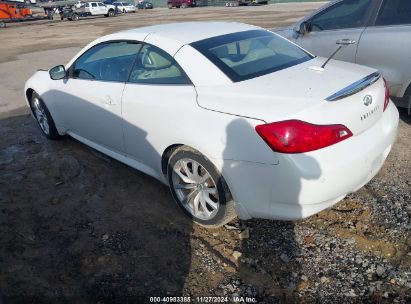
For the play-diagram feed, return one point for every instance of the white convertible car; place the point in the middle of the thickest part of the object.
(234, 118)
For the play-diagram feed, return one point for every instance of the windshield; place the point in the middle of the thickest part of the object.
(250, 54)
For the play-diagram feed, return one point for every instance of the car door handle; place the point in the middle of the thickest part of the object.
(346, 41)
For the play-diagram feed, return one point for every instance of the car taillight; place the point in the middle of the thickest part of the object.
(295, 136)
(387, 95)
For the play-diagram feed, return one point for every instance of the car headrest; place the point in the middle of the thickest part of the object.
(221, 51)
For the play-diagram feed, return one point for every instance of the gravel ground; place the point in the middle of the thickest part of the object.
(79, 227)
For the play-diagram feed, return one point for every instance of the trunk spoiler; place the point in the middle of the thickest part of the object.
(355, 87)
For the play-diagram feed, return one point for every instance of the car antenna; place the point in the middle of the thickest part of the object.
(342, 43)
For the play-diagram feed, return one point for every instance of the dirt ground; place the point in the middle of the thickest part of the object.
(79, 227)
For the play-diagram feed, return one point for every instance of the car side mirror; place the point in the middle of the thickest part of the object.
(302, 29)
(58, 72)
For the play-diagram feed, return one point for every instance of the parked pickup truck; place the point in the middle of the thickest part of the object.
(88, 9)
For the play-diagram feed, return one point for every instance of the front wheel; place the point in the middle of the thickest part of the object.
(199, 189)
(111, 13)
(43, 117)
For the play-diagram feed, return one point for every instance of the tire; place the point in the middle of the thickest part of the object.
(196, 188)
(183, 5)
(75, 17)
(124, 11)
(2, 24)
(111, 13)
(43, 117)
(170, 6)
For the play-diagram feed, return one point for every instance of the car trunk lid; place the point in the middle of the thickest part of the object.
(304, 92)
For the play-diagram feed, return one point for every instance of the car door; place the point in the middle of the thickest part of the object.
(387, 45)
(89, 101)
(345, 19)
(157, 88)
(94, 9)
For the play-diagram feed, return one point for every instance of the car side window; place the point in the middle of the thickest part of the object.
(394, 12)
(108, 62)
(154, 66)
(344, 14)
(94, 4)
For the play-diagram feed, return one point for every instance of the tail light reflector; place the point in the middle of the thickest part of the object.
(295, 136)
(387, 95)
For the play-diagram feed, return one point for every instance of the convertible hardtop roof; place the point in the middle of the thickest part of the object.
(188, 32)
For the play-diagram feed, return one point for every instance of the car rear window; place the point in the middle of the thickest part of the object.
(250, 54)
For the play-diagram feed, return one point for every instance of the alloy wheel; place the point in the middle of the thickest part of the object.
(41, 116)
(195, 188)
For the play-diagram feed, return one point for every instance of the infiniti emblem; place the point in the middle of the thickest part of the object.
(367, 100)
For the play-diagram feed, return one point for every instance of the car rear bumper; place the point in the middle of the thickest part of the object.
(301, 185)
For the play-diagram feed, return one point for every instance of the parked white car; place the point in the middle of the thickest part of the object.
(124, 7)
(235, 119)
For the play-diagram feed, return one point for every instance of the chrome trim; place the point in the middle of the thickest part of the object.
(355, 87)
(367, 100)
